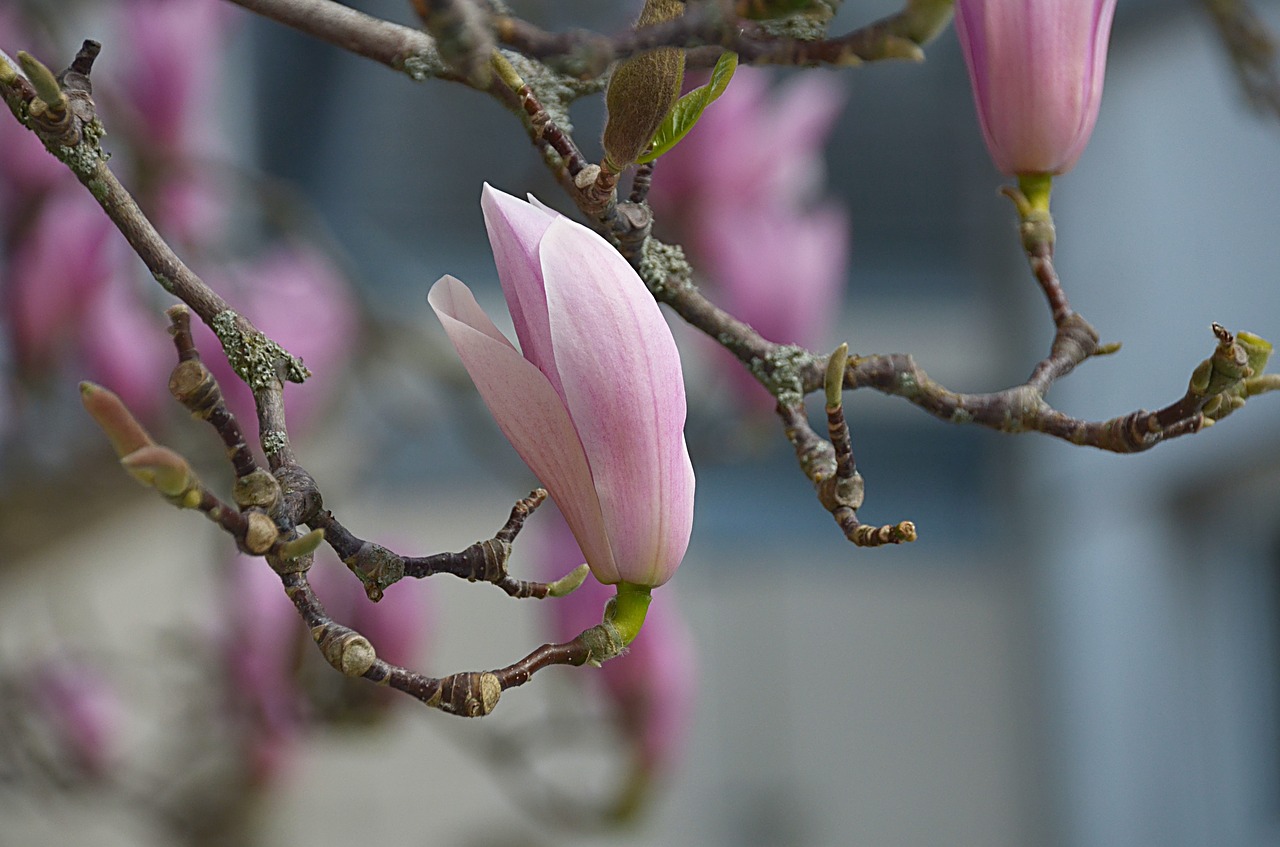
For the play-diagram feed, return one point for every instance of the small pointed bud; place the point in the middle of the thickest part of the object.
(162, 469)
(835, 377)
(298, 547)
(569, 582)
(43, 81)
(642, 91)
(110, 413)
(1258, 350)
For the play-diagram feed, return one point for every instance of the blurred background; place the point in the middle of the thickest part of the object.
(1081, 649)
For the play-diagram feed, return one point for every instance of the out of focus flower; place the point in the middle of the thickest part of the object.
(124, 346)
(82, 710)
(751, 149)
(595, 405)
(171, 68)
(651, 687)
(69, 253)
(298, 298)
(741, 189)
(262, 645)
(1037, 70)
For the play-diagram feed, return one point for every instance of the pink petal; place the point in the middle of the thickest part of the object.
(530, 414)
(515, 228)
(625, 394)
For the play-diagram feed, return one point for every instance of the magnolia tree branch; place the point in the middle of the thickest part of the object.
(270, 505)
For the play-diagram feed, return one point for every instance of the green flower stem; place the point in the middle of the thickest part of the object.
(1036, 188)
(626, 611)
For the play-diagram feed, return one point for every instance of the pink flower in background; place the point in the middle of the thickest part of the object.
(125, 347)
(262, 645)
(295, 295)
(595, 405)
(1037, 69)
(83, 710)
(69, 253)
(652, 687)
(26, 168)
(751, 149)
(171, 69)
(741, 188)
(782, 271)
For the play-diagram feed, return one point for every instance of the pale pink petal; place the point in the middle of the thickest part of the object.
(530, 414)
(515, 228)
(625, 394)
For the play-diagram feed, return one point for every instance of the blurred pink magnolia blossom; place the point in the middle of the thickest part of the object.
(83, 710)
(651, 687)
(595, 404)
(171, 69)
(297, 296)
(262, 645)
(751, 149)
(741, 188)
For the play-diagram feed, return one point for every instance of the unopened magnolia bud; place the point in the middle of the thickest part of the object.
(110, 413)
(162, 469)
(297, 548)
(642, 91)
(568, 583)
(44, 82)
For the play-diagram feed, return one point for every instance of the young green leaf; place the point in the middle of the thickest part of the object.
(689, 108)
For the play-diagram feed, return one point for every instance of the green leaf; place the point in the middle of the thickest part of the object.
(685, 113)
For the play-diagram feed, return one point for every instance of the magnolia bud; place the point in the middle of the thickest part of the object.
(642, 91)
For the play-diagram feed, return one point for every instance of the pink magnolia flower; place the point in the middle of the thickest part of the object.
(262, 645)
(740, 185)
(84, 710)
(69, 254)
(1037, 68)
(171, 68)
(751, 148)
(124, 346)
(595, 405)
(296, 296)
(783, 272)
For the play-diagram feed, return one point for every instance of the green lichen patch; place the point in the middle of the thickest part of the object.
(423, 66)
(780, 372)
(274, 441)
(257, 359)
(661, 265)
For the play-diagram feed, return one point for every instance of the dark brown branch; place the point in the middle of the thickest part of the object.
(485, 561)
(468, 693)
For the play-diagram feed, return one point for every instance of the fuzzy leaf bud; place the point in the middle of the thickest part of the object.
(642, 91)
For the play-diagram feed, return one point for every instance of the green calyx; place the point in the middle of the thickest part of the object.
(1035, 188)
(626, 611)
